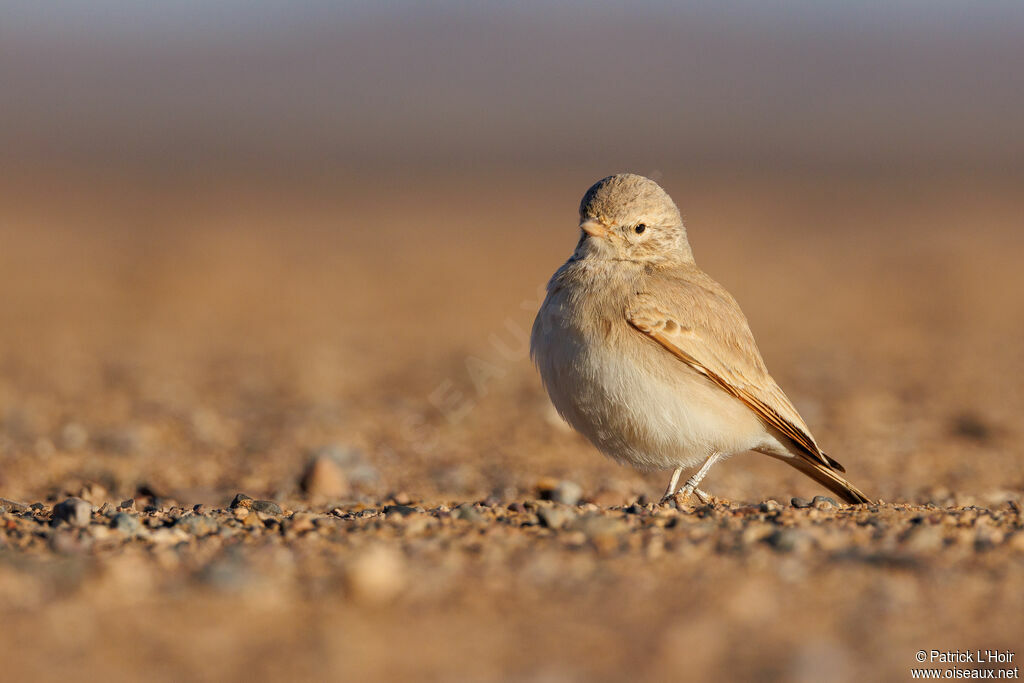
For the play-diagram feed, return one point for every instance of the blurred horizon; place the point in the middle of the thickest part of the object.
(459, 85)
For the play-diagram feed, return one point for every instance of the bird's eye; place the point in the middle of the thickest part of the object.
(640, 228)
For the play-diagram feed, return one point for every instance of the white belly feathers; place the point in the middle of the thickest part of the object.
(660, 419)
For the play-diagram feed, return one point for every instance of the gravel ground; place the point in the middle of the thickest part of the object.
(803, 591)
(254, 428)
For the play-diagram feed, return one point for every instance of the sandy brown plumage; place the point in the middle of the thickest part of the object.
(652, 359)
(716, 341)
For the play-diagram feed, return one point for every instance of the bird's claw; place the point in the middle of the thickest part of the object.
(683, 495)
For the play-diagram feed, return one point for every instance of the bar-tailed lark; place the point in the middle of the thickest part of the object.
(651, 359)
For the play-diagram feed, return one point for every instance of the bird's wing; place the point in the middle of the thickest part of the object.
(698, 321)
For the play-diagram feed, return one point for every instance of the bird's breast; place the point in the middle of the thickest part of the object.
(632, 399)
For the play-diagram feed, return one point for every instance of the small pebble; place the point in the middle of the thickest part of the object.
(467, 512)
(800, 503)
(73, 511)
(401, 510)
(197, 525)
(324, 478)
(126, 523)
(267, 507)
(556, 516)
(241, 500)
(567, 493)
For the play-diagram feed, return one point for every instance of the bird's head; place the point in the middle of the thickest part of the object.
(630, 217)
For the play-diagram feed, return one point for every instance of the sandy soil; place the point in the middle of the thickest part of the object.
(167, 343)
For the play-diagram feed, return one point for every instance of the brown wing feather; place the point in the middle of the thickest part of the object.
(732, 362)
(765, 411)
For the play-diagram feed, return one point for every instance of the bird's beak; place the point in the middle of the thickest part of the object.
(593, 228)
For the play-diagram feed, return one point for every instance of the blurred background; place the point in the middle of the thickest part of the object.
(473, 86)
(236, 237)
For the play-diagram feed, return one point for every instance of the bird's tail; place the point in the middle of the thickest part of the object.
(829, 478)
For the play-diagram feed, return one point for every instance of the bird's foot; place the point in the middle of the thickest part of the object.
(683, 496)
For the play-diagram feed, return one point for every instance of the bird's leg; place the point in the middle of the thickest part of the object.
(691, 484)
(672, 484)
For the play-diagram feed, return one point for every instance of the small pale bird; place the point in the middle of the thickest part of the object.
(651, 359)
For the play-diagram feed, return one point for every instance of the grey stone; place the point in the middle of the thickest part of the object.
(73, 511)
(267, 507)
(567, 492)
(556, 516)
(126, 523)
(241, 500)
(467, 512)
(822, 502)
(403, 510)
(197, 525)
